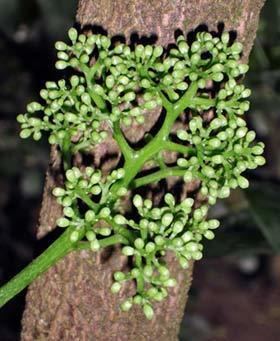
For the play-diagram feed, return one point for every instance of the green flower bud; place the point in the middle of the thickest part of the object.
(214, 143)
(120, 219)
(129, 97)
(183, 47)
(148, 311)
(115, 288)
(126, 306)
(209, 235)
(259, 160)
(89, 216)
(150, 247)
(217, 77)
(139, 243)
(63, 56)
(213, 224)
(61, 65)
(187, 236)
(188, 177)
(137, 201)
(236, 48)
(105, 212)
(158, 51)
(74, 237)
(94, 245)
(197, 255)
(208, 171)
(119, 276)
(169, 199)
(96, 190)
(167, 219)
(159, 240)
(73, 34)
(178, 227)
(243, 68)
(86, 98)
(218, 159)
(217, 68)
(25, 133)
(90, 236)
(104, 231)
(128, 251)
(225, 38)
(224, 192)
(241, 132)
(171, 282)
(201, 84)
(69, 212)
(182, 135)
(58, 192)
(242, 182)
(60, 46)
(148, 270)
(257, 150)
(62, 222)
(182, 163)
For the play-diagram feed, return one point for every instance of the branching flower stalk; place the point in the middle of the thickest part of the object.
(117, 90)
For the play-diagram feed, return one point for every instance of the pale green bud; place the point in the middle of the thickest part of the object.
(148, 311)
(90, 236)
(137, 201)
(139, 243)
(128, 251)
(126, 306)
(62, 222)
(120, 219)
(242, 182)
(119, 276)
(209, 235)
(167, 219)
(115, 288)
(74, 236)
(94, 245)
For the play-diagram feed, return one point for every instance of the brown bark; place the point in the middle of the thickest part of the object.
(72, 301)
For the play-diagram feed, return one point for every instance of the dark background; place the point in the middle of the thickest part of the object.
(236, 289)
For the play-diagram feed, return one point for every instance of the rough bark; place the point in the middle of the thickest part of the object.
(72, 301)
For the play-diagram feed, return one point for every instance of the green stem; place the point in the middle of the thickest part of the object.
(126, 150)
(86, 199)
(133, 166)
(205, 102)
(156, 176)
(112, 240)
(89, 73)
(176, 147)
(61, 247)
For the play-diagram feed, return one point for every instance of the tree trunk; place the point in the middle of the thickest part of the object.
(72, 301)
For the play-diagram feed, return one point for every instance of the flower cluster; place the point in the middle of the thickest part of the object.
(175, 227)
(93, 192)
(70, 116)
(224, 150)
(115, 85)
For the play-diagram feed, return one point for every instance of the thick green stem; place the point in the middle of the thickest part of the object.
(89, 73)
(112, 240)
(156, 176)
(157, 144)
(86, 199)
(61, 247)
(176, 147)
(126, 150)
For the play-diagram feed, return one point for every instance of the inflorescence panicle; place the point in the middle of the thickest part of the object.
(116, 85)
